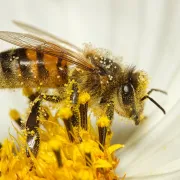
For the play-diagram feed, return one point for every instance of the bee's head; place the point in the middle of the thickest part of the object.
(131, 95)
(133, 87)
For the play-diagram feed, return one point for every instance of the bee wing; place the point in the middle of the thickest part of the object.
(38, 44)
(39, 32)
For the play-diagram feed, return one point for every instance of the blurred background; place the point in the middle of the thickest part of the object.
(144, 32)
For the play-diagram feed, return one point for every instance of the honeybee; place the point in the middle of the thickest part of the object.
(52, 63)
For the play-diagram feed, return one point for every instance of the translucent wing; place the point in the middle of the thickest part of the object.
(38, 44)
(36, 31)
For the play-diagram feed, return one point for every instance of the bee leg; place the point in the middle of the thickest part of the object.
(75, 94)
(105, 132)
(107, 103)
(45, 113)
(110, 115)
(32, 125)
(74, 100)
(30, 94)
(110, 111)
(50, 98)
(32, 98)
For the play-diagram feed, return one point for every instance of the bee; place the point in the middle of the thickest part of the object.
(52, 63)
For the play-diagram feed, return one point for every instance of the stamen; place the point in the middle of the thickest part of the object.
(55, 151)
(83, 113)
(56, 148)
(88, 159)
(14, 114)
(65, 114)
(103, 124)
(58, 157)
(83, 108)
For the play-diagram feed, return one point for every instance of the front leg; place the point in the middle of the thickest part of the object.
(107, 104)
(110, 111)
(104, 123)
(32, 125)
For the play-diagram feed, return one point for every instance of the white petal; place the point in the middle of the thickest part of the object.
(145, 32)
(155, 149)
(167, 176)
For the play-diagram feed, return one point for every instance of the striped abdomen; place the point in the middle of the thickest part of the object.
(27, 68)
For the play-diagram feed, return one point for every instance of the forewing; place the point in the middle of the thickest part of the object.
(35, 43)
(36, 31)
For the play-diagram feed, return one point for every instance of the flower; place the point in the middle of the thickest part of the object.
(45, 149)
(145, 33)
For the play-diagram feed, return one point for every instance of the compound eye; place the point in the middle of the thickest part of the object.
(126, 89)
(127, 94)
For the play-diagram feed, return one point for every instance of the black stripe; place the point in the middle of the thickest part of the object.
(42, 71)
(62, 71)
(24, 63)
(18, 55)
(5, 58)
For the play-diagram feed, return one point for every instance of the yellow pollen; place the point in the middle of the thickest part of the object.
(55, 144)
(84, 98)
(27, 92)
(65, 113)
(58, 150)
(103, 121)
(14, 114)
